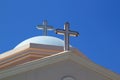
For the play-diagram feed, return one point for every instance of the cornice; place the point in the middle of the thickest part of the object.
(55, 58)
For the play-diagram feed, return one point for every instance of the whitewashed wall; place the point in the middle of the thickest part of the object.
(57, 71)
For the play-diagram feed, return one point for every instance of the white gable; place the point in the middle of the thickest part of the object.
(57, 66)
(59, 70)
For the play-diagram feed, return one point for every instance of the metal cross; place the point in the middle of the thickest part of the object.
(66, 32)
(45, 27)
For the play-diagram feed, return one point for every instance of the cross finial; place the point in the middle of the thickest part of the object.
(45, 22)
(45, 27)
(66, 32)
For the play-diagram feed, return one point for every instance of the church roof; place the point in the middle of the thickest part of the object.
(30, 52)
(46, 40)
(56, 58)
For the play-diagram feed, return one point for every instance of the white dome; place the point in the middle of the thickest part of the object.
(47, 40)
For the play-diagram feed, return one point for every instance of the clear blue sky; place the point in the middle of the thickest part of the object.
(98, 22)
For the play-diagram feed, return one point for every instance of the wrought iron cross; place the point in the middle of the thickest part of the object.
(66, 32)
(45, 27)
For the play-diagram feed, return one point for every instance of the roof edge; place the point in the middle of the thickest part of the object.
(57, 58)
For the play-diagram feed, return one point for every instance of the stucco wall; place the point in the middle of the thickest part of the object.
(57, 71)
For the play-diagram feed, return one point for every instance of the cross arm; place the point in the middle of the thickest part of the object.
(73, 33)
(60, 31)
(40, 26)
(50, 27)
